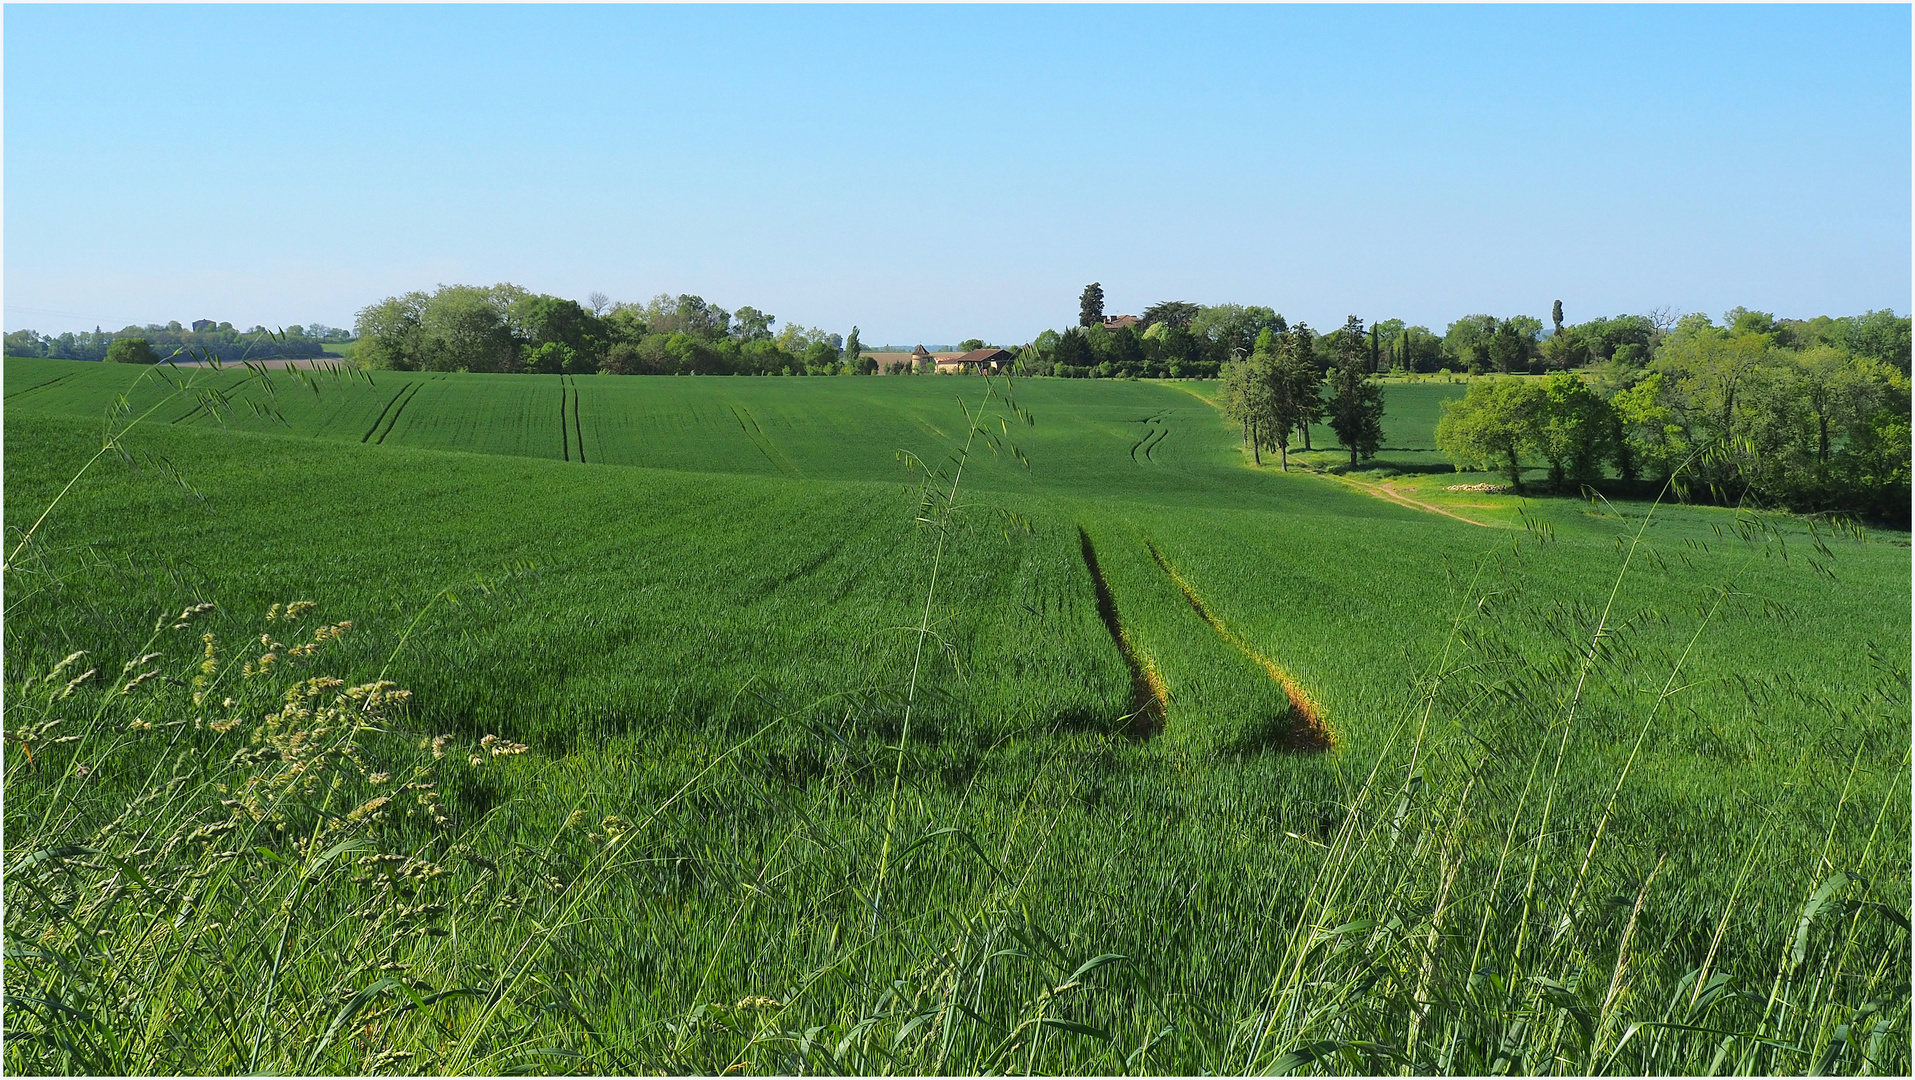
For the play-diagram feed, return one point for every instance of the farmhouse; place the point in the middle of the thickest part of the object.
(975, 361)
(918, 360)
(1118, 322)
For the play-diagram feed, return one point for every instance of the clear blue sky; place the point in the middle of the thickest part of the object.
(936, 173)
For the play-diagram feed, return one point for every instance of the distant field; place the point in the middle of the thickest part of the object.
(670, 565)
(846, 428)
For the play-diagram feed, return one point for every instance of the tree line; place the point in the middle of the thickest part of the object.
(1787, 413)
(1174, 339)
(1179, 339)
(155, 342)
(505, 328)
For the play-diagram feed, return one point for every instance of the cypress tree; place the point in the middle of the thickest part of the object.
(1304, 341)
(1090, 306)
(1356, 402)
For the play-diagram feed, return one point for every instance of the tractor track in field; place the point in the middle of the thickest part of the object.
(381, 418)
(578, 429)
(1154, 435)
(571, 434)
(403, 399)
(1149, 698)
(1313, 734)
(810, 565)
(749, 425)
(41, 386)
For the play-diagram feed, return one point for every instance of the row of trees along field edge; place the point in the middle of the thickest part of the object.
(154, 342)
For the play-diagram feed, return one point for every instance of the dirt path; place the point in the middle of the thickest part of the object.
(1386, 491)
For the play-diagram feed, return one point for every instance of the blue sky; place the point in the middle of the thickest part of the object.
(934, 173)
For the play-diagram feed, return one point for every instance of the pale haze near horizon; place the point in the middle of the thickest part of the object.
(932, 174)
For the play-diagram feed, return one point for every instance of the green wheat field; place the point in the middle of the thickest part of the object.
(915, 725)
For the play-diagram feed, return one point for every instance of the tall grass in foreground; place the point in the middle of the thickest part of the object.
(221, 859)
(1433, 939)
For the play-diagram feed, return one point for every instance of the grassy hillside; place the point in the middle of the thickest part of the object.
(1329, 774)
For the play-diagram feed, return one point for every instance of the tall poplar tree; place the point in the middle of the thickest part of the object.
(854, 352)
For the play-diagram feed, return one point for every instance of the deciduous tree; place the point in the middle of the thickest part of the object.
(1493, 425)
(1235, 327)
(1246, 400)
(551, 358)
(463, 328)
(1466, 341)
(131, 350)
(749, 324)
(1176, 313)
(389, 333)
(1578, 432)
(1877, 335)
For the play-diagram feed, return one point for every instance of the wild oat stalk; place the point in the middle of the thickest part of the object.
(937, 508)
